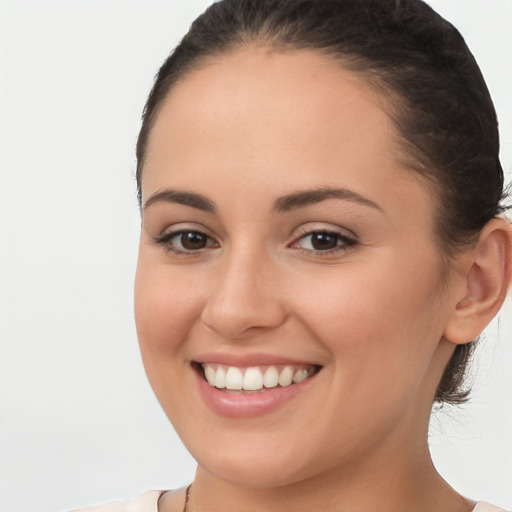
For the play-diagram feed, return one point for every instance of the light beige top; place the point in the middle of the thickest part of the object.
(482, 506)
(148, 502)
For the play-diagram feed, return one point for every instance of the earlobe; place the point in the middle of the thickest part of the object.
(486, 279)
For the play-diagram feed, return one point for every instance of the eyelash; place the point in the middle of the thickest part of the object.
(344, 243)
(166, 239)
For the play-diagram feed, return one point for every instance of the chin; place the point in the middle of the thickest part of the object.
(257, 474)
(265, 465)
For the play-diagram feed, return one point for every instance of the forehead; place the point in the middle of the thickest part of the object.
(274, 116)
(305, 90)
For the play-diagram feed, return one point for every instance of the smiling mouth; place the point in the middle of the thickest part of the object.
(254, 379)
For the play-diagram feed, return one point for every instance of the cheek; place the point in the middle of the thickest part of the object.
(166, 308)
(165, 313)
(377, 323)
(382, 332)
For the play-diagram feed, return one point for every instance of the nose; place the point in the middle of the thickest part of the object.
(244, 298)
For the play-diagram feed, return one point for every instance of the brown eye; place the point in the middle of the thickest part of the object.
(192, 240)
(324, 241)
(186, 242)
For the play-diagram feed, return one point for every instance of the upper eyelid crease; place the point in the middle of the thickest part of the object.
(319, 228)
(173, 233)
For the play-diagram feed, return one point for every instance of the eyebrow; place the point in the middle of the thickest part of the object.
(281, 204)
(308, 197)
(186, 198)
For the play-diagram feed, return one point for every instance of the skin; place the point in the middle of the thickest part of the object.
(243, 131)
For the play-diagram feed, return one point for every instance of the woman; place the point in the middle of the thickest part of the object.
(322, 241)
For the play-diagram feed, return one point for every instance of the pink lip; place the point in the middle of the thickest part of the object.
(233, 405)
(247, 360)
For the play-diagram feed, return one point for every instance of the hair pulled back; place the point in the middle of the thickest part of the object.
(437, 99)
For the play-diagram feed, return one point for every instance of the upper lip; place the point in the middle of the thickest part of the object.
(248, 360)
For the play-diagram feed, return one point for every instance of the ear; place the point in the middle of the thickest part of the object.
(484, 280)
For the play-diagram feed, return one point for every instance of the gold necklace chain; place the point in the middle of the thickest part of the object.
(187, 494)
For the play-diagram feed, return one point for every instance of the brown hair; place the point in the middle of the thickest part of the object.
(438, 99)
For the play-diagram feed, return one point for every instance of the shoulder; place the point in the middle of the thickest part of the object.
(482, 506)
(145, 502)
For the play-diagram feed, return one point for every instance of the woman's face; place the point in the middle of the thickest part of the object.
(283, 237)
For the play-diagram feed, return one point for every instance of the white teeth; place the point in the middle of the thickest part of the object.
(253, 379)
(286, 377)
(209, 373)
(271, 377)
(300, 375)
(220, 378)
(234, 378)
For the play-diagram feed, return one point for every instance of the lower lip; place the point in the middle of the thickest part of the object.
(239, 405)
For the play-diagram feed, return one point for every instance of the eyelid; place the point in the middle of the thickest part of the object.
(184, 226)
(316, 227)
(165, 237)
(348, 240)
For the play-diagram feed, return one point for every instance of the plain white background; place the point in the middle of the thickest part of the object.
(78, 422)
